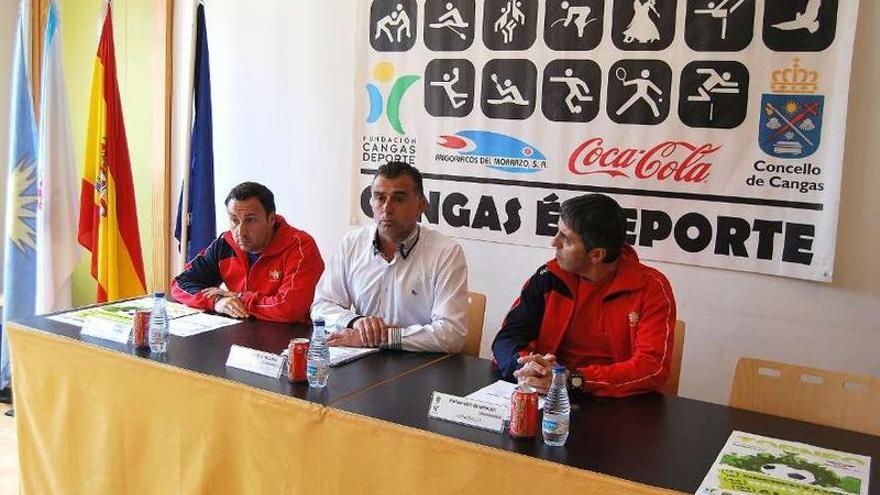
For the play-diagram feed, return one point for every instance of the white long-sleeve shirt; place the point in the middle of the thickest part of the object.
(423, 290)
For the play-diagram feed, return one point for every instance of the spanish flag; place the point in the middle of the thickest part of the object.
(108, 225)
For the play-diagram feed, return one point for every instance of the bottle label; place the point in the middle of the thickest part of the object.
(554, 423)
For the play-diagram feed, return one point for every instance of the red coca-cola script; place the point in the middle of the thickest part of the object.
(679, 161)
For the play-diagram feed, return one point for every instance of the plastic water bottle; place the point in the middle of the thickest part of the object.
(158, 324)
(557, 410)
(318, 361)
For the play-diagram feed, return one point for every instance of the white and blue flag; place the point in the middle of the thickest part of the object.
(57, 178)
(19, 274)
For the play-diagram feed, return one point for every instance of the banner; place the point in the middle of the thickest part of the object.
(717, 124)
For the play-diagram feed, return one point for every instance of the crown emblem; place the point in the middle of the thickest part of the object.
(795, 80)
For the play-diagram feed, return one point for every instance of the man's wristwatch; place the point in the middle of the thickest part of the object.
(575, 380)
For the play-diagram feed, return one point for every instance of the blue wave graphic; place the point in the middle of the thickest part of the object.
(375, 97)
(490, 143)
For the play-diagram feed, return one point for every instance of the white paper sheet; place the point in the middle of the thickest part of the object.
(197, 323)
(499, 393)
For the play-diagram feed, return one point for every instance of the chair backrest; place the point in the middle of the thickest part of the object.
(476, 314)
(825, 397)
(671, 385)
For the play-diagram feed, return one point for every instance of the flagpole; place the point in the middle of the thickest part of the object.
(184, 202)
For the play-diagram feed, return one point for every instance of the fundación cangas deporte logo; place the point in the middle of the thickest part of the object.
(384, 74)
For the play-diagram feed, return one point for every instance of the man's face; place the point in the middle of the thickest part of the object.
(397, 206)
(570, 252)
(251, 227)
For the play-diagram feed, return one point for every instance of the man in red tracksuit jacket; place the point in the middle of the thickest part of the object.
(595, 309)
(270, 269)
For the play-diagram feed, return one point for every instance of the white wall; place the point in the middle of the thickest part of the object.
(303, 52)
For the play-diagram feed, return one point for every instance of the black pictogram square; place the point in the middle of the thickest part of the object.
(571, 90)
(643, 25)
(719, 25)
(799, 25)
(393, 25)
(639, 92)
(509, 24)
(509, 89)
(449, 88)
(572, 25)
(449, 25)
(713, 94)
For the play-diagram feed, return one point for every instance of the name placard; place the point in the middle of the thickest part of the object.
(467, 412)
(259, 362)
(106, 329)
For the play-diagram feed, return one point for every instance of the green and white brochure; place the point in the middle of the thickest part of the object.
(753, 464)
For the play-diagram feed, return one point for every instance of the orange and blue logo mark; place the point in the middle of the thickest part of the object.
(384, 73)
(496, 151)
(791, 116)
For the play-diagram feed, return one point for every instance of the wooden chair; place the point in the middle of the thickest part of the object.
(832, 398)
(476, 314)
(671, 385)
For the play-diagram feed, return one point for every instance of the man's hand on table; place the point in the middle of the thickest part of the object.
(347, 337)
(232, 306)
(367, 331)
(536, 372)
(212, 292)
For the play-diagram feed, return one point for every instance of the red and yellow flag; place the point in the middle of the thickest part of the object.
(108, 225)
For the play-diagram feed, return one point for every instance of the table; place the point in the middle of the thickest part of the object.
(206, 354)
(658, 440)
(97, 417)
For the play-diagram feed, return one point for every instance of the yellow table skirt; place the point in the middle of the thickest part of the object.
(94, 421)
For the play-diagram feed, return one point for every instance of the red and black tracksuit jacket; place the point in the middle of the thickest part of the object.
(279, 286)
(638, 313)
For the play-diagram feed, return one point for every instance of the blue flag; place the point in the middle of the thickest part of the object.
(200, 215)
(19, 274)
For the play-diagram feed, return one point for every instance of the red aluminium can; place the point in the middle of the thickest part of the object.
(140, 328)
(296, 365)
(523, 412)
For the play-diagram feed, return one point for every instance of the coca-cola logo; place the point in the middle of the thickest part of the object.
(679, 161)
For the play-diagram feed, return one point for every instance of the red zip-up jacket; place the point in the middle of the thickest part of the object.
(280, 285)
(638, 313)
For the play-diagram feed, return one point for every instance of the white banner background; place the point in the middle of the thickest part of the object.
(723, 217)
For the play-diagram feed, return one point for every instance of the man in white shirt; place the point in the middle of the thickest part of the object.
(395, 284)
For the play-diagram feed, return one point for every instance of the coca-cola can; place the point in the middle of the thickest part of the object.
(296, 365)
(140, 328)
(523, 412)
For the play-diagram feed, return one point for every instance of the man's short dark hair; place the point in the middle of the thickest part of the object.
(393, 170)
(247, 190)
(598, 220)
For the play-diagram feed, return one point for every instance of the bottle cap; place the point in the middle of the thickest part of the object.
(318, 322)
(559, 369)
(159, 294)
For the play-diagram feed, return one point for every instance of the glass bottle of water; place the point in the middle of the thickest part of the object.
(158, 324)
(557, 410)
(318, 357)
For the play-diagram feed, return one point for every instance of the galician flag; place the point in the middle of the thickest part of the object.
(108, 224)
(57, 250)
(21, 202)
